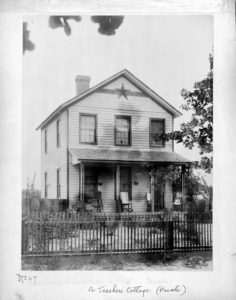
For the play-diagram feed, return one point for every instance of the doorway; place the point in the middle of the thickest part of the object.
(126, 180)
(158, 197)
(90, 184)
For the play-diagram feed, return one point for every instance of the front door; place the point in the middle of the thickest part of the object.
(126, 180)
(90, 184)
(158, 197)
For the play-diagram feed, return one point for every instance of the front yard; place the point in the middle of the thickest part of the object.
(190, 261)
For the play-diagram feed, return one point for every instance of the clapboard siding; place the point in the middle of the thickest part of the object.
(106, 123)
(55, 158)
(107, 106)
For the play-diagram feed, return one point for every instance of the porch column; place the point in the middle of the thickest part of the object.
(152, 194)
(82, 185)
(183, 188)
(117, 185)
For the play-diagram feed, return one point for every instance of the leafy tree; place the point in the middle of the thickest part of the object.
(107, 26)
(199, 131)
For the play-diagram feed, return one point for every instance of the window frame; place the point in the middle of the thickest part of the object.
(58, 133)
(45, 141)
(46, 185)
(95, 134)
(58, 174)
(130, 130)
(164, 127)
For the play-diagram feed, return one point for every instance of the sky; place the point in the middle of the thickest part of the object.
(167, 53)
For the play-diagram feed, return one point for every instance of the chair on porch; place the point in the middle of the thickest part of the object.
(125, 202)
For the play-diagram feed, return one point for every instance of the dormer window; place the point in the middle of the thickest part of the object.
(157, 127)
(88, 129)
(123, 131)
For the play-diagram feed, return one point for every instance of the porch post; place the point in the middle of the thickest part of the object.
(117, 185)
(152, 194)
(82, 185)
(183, 188)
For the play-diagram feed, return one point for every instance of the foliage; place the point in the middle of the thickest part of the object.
(201, 206)
(198, 131)
(27, 44)
(163, 173)
(31, 198)
(198, 195)
(62, 21)
(107, 26)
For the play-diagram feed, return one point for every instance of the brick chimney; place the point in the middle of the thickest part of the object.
(82, 83)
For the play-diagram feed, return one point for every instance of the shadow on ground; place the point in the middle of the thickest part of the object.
(201, 260)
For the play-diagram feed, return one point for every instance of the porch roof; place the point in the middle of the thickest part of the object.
(125, 156)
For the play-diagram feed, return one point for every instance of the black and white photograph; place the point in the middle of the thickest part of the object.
(117, 142)
(117, 161)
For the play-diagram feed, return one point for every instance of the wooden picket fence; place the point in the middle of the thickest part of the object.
(84, 234)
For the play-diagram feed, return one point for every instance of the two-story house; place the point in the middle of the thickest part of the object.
(98, 143)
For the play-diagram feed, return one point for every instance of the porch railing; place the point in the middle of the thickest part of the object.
(87, 233)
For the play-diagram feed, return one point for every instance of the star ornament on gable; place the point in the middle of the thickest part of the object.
(123, 92)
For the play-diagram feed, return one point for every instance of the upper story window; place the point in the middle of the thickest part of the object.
(88, 129)
(58, 133)
(157, 127)
(123, 131)
(45, 141)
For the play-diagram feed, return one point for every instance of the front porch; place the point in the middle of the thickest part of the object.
(101, 185)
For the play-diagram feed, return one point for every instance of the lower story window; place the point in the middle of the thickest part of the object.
(46, 185)
(58, 184)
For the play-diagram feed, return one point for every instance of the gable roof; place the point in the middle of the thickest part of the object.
(129, 76)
